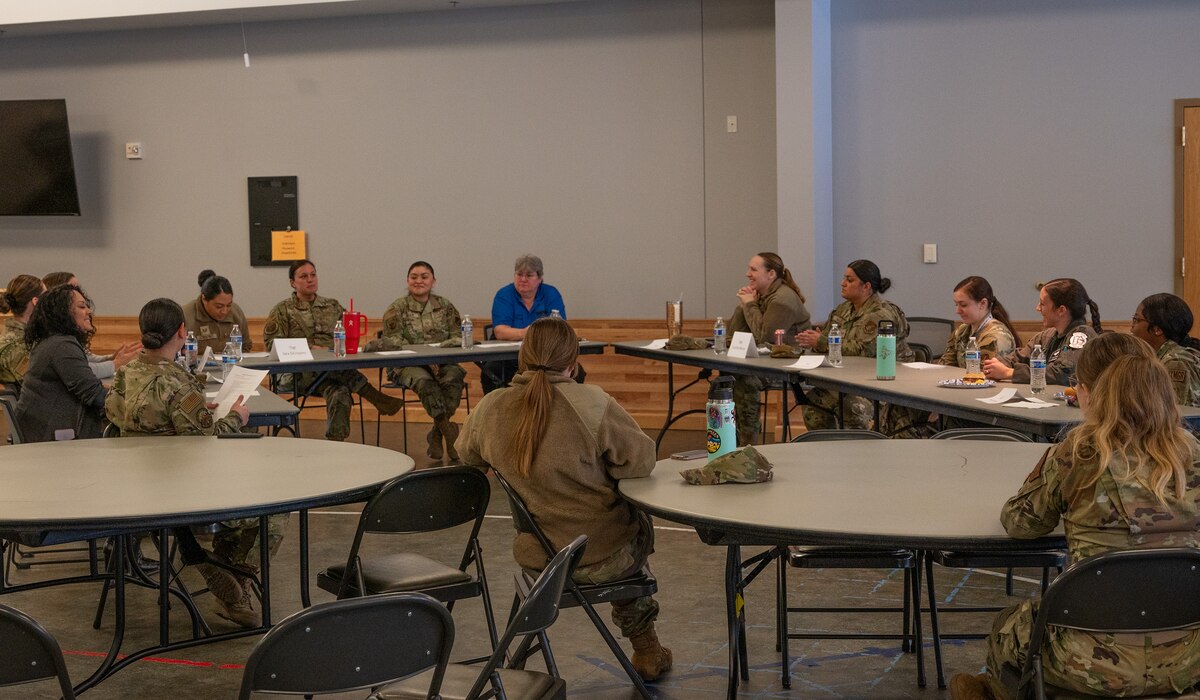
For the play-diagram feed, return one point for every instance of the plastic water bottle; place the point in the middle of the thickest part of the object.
(228, 360)
(719, 336)
(468, 332)
(722, 431)
(555, 314)
(339, 339)
(971, 355)
(235, 337)
(885, 351)
(1037, 370)
(189, 351)
(835, 345)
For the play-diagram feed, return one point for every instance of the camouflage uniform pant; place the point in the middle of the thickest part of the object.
(856, 411)
(238, 538)
(1094, 664)
(747, 394)
(635, 616)
(440, 392)
(336, 389)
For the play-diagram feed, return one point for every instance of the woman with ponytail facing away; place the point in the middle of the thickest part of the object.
(563, 446)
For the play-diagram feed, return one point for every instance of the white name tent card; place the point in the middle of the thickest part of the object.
(291, 349)
(657, 344)
(1011, 398)
(741, 343)
(922, 365)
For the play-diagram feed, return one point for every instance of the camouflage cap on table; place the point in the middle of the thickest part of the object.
(744, 466)
(686, 342)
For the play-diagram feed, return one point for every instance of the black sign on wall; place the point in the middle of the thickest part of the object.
(273, 207)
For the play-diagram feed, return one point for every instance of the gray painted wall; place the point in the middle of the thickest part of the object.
(575, 131)
(1030, 139)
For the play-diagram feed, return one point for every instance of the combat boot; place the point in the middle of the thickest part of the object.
(434, 451)
(650, 658)
(450, 432)
(967, 687)
(230, 595)
(387, 405)
(241, 611)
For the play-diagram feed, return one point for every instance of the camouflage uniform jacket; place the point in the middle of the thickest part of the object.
(292, 318)
(211, 333)
(859, 328)
(1062, 353)
(1183, 364)
(14, 356)
(410, 322)
(153, 396)
(1112, 513)
(780, 307)
(993, 339)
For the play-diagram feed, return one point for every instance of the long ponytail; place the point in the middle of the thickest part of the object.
(550, 345)
(1068, 292)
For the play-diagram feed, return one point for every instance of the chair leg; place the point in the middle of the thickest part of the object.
(616, 649)
(906, 645)
(1008, 582)
(1045, 578)
(916, 618)
(933, 621)
(781, 620)
(404, 416)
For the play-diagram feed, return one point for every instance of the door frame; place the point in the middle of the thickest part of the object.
(1180, 248)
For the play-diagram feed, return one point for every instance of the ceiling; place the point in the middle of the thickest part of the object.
(22, 18)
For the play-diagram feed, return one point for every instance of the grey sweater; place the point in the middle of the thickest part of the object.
(60, 392)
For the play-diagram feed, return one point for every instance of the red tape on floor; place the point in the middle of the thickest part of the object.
(162, 660)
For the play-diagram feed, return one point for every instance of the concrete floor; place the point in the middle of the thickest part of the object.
(691, 623)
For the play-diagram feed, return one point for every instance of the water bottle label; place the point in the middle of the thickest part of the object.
(835, 341)
(1037, 364)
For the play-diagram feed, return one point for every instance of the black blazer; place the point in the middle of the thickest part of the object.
(60, 391)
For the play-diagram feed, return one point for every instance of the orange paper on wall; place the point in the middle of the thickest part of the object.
(287, 245)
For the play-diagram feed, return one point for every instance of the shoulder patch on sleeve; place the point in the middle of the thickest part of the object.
(1178, 375)
(1078, 340)
(192, 402)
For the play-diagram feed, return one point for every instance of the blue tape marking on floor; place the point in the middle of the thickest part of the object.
(954, 591)
(884, 580)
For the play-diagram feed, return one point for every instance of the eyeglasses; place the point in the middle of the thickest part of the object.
(1137, 319)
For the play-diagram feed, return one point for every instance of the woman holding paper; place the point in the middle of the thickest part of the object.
(213, 315)
(307, 315)
(154, 396)
(771, 301)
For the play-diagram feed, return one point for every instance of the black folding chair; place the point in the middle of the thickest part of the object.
(313, 392)
(587, 596)
(927, 336)
(355, 644)
(1044, 559)
(1130, 591)
(427, 500)
(536, 613)
(466, 395)
(30, 653)
(834, 557)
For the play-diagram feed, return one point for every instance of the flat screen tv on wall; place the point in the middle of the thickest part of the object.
(37, 171)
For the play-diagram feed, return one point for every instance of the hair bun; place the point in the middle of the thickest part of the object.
(153, 339)
(884, 285)
(204, 276)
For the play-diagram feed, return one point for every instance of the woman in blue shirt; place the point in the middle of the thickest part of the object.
(515, 307)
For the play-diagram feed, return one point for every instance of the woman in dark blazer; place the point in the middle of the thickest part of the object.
(61, 399)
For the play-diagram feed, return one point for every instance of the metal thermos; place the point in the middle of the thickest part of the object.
(722, 432)
(885, 350)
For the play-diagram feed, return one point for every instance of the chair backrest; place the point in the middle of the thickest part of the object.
(8, 403)
(352, 644)
(931, 332)
(523, 520)
(1122, 591)
(30, 652)
(995, 434)
(831, 434)
(427, 500)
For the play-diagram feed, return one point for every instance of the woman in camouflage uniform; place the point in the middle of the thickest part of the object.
(1164, 321)
(858, 318)
(1129, 476)
(1063, 303)
(154, 396)
(307, 315)
(424, 317)
(18, 299)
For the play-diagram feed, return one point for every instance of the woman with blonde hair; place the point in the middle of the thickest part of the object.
(1128, 477)
(563, 446)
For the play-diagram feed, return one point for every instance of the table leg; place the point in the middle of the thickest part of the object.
(264, 559)
(671, 394)
(733, 575)
(164, 588)
(118, 574)
(304, 597)
(918, 643)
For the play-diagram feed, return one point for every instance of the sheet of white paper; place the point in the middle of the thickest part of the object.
(500, 343)
(240, 382)
(1034, 399)
(1029, 404)
(1004, 395)
(291, 349)
(256, 354)
(396, 352)
(922, 365)
(810, 362)
(657, 344)
(740, 344)
(207, 357)
(213, 394)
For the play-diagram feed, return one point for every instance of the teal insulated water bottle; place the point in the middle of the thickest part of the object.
(722, 433)
(885, 351)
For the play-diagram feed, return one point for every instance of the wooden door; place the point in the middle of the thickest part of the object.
(1187, 202)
